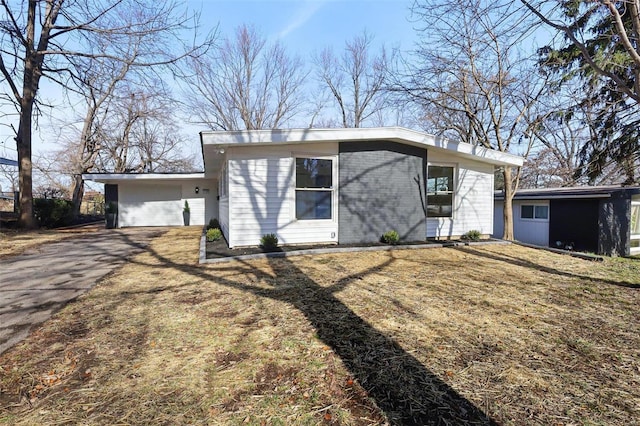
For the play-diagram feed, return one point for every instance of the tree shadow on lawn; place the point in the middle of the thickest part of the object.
(516, 261)
(400, 385)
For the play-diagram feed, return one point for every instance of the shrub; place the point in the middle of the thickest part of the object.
(473, 235)
(53, 212)
(213, 223)
(390, 237)
(269, 242)
(214, 234)
(186, 207)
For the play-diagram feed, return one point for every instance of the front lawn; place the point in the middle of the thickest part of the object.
(465, 335)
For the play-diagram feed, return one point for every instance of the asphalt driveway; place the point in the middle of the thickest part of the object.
(37, 283)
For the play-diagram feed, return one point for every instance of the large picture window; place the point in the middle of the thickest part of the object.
(440, 191)
(314, 188)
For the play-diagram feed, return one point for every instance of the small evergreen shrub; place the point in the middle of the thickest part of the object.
(53, 212)
(473, 235)
(390, 237)
(213, 223)
(269, 242)
(186, 209)
(214, 234)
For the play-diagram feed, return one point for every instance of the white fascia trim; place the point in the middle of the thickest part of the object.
(128, 177)
(396, 134)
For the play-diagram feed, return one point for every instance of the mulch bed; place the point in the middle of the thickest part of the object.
(220, 249)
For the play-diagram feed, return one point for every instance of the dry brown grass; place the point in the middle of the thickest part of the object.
(15, 241)
(459, 335)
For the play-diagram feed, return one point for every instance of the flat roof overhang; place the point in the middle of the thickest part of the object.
(576, 192)
(214, 143)
(114, 178)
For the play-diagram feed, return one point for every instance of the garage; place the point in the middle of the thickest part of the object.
(150, 205)
(156, 199)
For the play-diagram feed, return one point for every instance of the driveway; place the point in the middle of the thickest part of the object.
(37, 283)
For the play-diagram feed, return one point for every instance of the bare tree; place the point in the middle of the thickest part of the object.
(98, 80)
(472, 79)
(563, 128)
(10, 175)
(136, 133)
(245, 83)
(127, 128)
(44, 38)
(356, 79)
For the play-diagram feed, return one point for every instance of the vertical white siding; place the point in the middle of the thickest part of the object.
(262, 196)
(528, 230)
(473, 198)
(223, 217)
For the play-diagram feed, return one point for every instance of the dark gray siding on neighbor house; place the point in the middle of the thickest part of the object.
(575, 222)
(613, 225)
(381, 188)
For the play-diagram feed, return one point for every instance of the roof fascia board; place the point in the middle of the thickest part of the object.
(111, 177)
(397, 134)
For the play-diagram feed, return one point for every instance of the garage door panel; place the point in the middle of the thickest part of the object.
(150, 205)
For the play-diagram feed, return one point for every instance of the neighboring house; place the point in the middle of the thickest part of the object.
(599, 219)
(8, 162)
(321, 186)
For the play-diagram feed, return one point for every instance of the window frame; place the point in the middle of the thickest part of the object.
(534, 206)
(634, 239)
(333, 190)
(453, 191)
(223, 180)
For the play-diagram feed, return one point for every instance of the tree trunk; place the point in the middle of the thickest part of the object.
(25, 176)
(508, 204)
(77, 194)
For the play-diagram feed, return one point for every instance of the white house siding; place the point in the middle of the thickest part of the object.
(161, 203)
(524, 230)
(529, 230)
(203, 205)
(262, 196)
(473, 198)
(223, 218)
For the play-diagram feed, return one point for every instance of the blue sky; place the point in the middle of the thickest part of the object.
(308, 26)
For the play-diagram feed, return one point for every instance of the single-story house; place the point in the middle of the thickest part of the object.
(321, 186)
(598, 219)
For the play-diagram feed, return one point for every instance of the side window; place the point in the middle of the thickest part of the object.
(314, 188)
(223, 182)
(533, 211)
(526, 212)
(635, 218)
(440, 187)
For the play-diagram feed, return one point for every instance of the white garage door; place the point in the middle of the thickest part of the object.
(149, 205)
